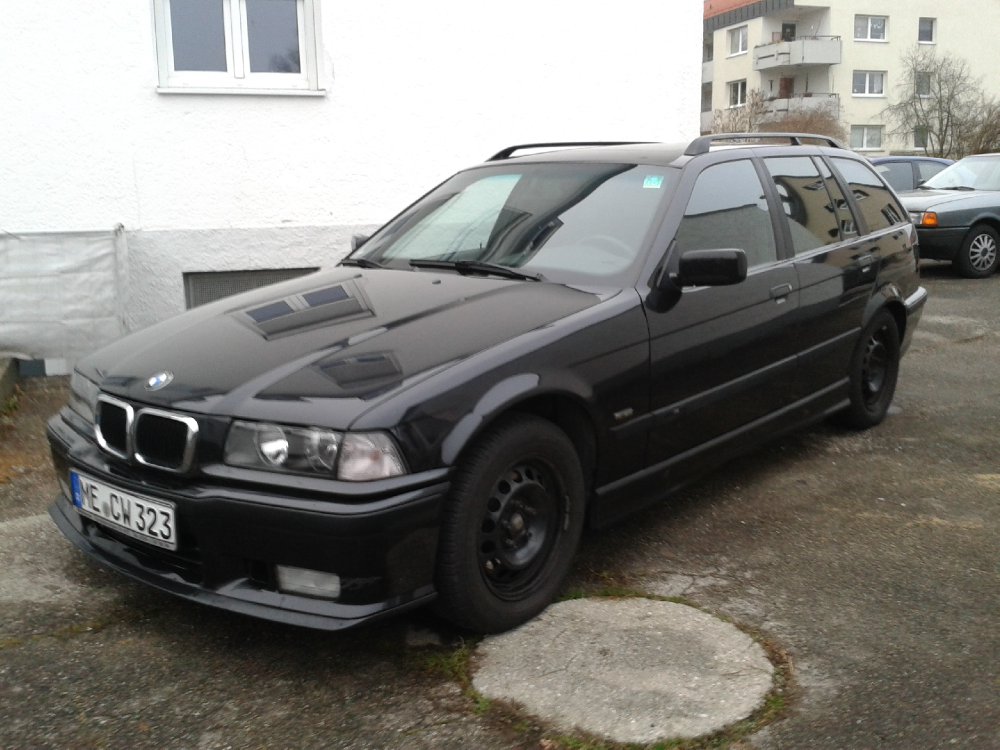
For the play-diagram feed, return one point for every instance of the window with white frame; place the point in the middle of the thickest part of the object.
(926, 29)
(738, 93)
(738, 40)
(869, 83)
(923, 84)
(871, 28)
(866, 137)
(238, 46)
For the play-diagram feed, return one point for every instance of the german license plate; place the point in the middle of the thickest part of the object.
(139, 517)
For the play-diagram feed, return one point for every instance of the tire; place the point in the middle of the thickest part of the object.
(873, 373)
(980, 253)
(511, 526)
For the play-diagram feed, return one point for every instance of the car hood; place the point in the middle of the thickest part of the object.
(923, 200)
(323, 347)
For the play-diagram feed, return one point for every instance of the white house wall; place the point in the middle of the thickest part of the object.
(224, 182)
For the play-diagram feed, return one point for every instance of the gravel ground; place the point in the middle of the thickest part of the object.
(867, 561)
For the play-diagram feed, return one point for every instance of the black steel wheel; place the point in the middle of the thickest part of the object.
(979, 255)
(511, 525)
(873, 373)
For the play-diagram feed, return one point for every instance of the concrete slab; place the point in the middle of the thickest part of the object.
(629, 670)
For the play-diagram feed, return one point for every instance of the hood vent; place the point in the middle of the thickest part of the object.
(306, 310)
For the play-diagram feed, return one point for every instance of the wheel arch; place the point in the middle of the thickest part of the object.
(990, 220)
(889, 298)
(565, 410)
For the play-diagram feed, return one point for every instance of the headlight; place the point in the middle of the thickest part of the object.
(355, 457)
(369, 455)
(925, 219)
(83, 396)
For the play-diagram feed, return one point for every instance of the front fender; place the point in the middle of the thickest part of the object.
(495, 400)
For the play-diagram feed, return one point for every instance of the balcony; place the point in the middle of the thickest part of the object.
(796, 52)
(799, 103)
(707, 71)
(707, 120)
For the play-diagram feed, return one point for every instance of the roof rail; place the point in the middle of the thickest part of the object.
(703, 144)
(511, 150)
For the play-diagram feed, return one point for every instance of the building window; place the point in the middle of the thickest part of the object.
(920, 137)
(926, 30)
(871, 28)
(869, 83)
(866, 137)
(238, 46)
(923, 84)
(738, 93)
(738, 40)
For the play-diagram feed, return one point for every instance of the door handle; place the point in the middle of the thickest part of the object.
(780, 292)
(865, 261)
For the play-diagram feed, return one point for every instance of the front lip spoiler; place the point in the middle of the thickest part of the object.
(241, 595)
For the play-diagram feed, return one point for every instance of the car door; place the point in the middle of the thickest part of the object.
(838, 280)
(835, 264)
(722, 357)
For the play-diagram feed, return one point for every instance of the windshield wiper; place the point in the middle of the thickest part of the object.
(361, 263)
(958, 187)
(467, 267)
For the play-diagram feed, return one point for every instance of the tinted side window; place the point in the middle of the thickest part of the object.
(728, 209)
(839, 205)
(899, 174)
(875, 201)
(807, 206)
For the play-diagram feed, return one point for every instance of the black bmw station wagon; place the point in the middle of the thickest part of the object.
(550, 339)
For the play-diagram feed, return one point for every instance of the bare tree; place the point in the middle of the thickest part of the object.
(823, 120)
(938, 99)
(745, 118)
(983, 136)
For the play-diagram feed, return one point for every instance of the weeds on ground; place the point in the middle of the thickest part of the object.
(456, 664)
(9, 405)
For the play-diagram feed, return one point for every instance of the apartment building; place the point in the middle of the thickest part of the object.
(842, 54)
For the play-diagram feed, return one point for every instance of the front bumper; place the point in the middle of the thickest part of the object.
(940, 243)
(232, 535)
(914, 305)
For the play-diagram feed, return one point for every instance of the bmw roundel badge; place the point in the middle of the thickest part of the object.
(159, 380)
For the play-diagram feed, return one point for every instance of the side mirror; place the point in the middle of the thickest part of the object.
(357, 240)
(711, 267)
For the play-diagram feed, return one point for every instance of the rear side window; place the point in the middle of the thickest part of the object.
(875, 201)
(811, 213)
(899, 174)
(928, 169)
(728, 209)
(838, 203)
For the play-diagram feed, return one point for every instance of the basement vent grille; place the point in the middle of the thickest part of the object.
(203, 287)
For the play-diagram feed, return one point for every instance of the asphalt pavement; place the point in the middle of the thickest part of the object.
(862, 567)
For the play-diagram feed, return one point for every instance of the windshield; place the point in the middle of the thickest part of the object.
(583, 223)
(975, 172)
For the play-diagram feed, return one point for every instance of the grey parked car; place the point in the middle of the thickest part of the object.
(957, 215)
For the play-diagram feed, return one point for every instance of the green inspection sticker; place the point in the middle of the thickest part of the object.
(653, 181)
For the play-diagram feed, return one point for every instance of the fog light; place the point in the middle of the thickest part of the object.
(307, 582)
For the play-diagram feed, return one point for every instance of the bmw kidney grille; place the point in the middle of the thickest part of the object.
(151, 437)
